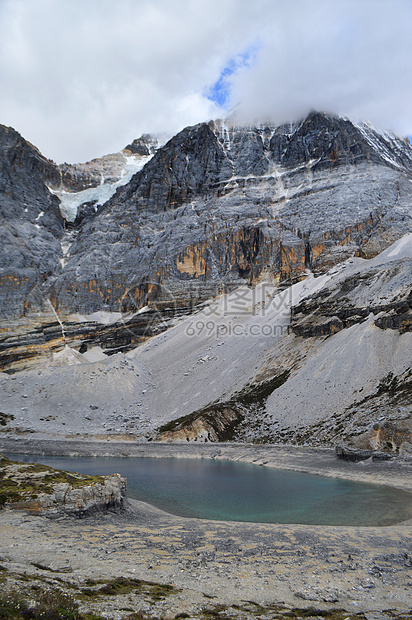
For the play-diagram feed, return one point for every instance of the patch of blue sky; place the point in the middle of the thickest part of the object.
(410, 138)
(220, 92)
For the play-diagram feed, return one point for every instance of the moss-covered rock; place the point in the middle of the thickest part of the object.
(39, 488)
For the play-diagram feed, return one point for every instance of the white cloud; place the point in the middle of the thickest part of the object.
(351, 57)
(80, 78)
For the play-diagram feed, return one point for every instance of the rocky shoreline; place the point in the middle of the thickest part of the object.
(217, 569)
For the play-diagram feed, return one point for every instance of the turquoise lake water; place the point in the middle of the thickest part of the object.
(232, 491)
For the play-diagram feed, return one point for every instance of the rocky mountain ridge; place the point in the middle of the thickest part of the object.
(216, 207)
(104, 170)
(223, 205)
(219, 223)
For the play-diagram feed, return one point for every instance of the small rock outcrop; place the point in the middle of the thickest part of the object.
(347, 453)
(41, 489)
(390, 437)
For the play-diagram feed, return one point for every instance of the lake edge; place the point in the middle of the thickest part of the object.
(316, 461)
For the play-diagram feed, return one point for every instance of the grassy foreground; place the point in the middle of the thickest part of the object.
(42, 602)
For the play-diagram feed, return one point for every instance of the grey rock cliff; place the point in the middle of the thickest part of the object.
(216, 207)
(30, 222)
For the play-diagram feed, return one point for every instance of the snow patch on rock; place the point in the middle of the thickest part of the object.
(71, 201)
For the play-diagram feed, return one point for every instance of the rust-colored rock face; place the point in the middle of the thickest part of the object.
(390, 437)
(216, 207)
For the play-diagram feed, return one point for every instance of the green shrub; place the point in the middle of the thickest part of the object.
(55, 605)
(49, 605)
(12, 606)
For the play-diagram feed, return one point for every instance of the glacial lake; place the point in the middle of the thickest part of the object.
(233, 491)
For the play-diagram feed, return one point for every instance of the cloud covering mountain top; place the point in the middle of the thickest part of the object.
(80, 79)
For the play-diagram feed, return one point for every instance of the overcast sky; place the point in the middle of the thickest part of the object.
(82, 78)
